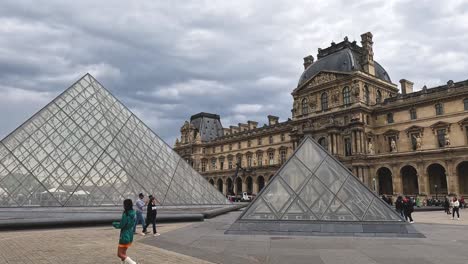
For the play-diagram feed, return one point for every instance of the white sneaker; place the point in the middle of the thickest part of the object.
(143, 234)
(411, 222)
(128, 260)
(458, 218)
(157, 234)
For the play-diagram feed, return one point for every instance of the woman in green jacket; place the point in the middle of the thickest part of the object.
(126, 231)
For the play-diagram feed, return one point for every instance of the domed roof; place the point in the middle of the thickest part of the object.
(342, 57)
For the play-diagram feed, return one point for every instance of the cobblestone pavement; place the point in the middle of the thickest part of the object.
(83, 245)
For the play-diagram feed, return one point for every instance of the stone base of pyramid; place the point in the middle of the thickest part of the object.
(292, 228)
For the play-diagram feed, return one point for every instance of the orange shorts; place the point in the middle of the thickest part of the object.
(125, 245)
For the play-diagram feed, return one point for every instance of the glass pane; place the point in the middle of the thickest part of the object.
(380, 212)
(298, 211)
(294, 173)
(311, 154)
(356, 197)
(338, 212)
(259, 210)
(316, 196)
(277, 196)
(332, 174)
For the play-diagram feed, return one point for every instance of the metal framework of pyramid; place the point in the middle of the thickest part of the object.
(313, 193)
(85, 148)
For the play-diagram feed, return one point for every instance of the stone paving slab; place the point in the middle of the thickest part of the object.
(444, 243)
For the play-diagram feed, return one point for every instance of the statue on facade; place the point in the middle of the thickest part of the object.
(312, 102)
(356, 90)
(197, 138)
(418, 141)
(177, 141)
(447, 140)
(393, 145)
(370, 147)
(335, 96)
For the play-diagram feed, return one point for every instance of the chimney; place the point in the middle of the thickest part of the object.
(227, 131)
(234, 129)
(243, 127)
(252, 124)
(406, 86)
(368, 56)
(308, 61)
(272, 120)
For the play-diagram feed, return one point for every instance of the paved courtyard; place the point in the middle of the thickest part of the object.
(204, 242)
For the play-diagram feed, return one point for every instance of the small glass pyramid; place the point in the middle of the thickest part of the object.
(313, 186)
(85, 148)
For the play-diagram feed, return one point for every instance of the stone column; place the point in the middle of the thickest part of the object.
(244, 186)
(422, 178)
(255, 185)
(452, 179)
(358, 141)
(397, 181)
(224, 187)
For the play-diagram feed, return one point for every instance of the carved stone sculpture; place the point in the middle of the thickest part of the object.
(393, 145)
(447, 140)
(312, 102)
(370, 147)
(322, 78)
(418, 142)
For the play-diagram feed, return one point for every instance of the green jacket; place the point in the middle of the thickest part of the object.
(126, 227)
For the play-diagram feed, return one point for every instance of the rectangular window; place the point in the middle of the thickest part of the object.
(230, 164)
(222, 148)
(283, 137)
(239, 160)
(259, 141)
(230, 146)
(221, 165)
(271, 158)
(203, 166)
(282, 156)
(390, 118)
(213, 164)
(214, 150)
(441, 137)
(271, 139)
(466, 132)
(260, 159)
(239, 145)
(203, 150)
(413, 115)
(347, 142)
(439, 109)
(249, 143)
(249, 161)
(465, 104)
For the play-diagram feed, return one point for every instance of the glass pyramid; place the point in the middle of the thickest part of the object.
(85, 148)
(313, 186)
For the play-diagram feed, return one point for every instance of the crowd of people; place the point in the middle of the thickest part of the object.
(405, 205)
(129, 221)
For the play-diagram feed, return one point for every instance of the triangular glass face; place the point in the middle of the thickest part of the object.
(314, 186)
(87, 149)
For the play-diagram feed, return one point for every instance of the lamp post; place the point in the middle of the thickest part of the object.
(374, 184)
(436, 190)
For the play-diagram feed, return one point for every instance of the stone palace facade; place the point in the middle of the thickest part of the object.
(397, 141)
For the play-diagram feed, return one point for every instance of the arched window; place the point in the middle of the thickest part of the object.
(413, 114)
(439, 109)
(378, 97)
(366, 94)
(323, 142)
(324, 101)
(305, 106)
(465, 104)
(346, 96)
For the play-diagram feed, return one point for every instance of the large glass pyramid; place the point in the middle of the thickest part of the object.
(85, 148)
(314, 186)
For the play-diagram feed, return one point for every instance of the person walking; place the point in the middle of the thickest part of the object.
(455, 208)
(408, 208)
(399, 205)
(447, 205)
(140, 205)
(151, 213)
(126, 225)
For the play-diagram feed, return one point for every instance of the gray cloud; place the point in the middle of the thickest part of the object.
(169, 60)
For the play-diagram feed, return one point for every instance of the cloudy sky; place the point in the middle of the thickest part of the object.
(241, 59)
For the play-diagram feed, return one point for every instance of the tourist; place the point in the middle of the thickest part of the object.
(408, 208)
(455, 208)
(447, 205)
(126, 225)
(399, 206)
(140, 204)
(151, 213)
(462, 202)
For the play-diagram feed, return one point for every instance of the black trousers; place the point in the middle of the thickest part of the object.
(408, 215)
(456, 209)
(153, 222)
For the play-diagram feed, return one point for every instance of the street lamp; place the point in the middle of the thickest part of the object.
(375, 184)
(436, 190)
